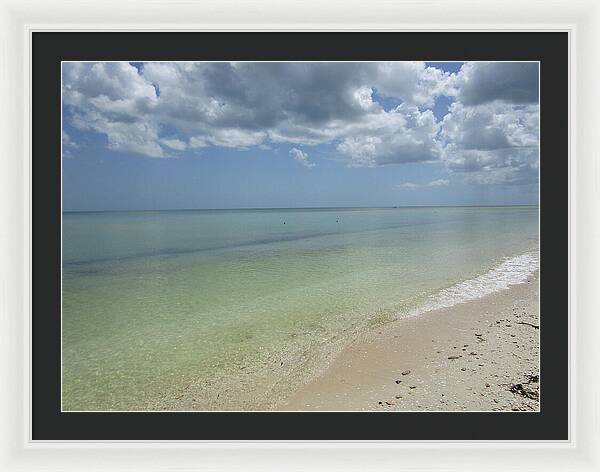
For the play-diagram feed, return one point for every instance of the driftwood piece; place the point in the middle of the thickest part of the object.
(528, 324)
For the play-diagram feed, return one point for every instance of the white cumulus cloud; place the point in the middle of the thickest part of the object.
(301, 157)
(372, 114)
(493, 142)
(433, 183)
(439, 183)
(483, 82)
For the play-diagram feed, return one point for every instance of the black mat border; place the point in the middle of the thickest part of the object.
(49, 48)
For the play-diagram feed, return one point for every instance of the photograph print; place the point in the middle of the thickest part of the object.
(300, 236)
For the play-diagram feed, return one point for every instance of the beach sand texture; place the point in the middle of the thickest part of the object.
(482, 355)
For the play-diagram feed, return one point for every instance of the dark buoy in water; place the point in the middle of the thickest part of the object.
(284, 222)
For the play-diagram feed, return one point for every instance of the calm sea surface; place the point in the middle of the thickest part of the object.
(232, 309)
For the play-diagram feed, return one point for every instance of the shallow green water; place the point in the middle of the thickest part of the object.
(230, 309)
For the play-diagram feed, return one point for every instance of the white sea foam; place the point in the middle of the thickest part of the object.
(512, 271)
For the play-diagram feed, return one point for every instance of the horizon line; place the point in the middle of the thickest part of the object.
(386, 207)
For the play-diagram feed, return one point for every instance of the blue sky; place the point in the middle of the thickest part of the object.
(219, 135)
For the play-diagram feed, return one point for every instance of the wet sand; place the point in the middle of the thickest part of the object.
(482, 355)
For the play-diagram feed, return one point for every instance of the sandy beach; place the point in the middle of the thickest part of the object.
(482, 355)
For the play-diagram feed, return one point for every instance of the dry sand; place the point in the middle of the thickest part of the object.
(482, 355)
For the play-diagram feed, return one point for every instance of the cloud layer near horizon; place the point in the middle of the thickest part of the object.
(489, 135)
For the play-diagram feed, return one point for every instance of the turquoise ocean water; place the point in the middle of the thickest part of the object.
(232, 309)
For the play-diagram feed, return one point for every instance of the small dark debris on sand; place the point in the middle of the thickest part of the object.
(532, 378)
(525, 391)
(528, 324)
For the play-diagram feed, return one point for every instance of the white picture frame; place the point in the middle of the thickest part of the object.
(18, 19)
